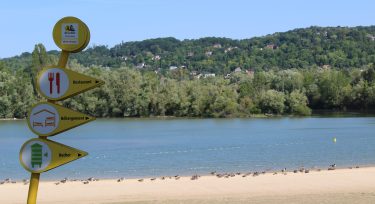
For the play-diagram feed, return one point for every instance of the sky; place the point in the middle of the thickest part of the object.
(26, 23)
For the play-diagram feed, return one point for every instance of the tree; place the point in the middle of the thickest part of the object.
(297, 103)
(272, 101)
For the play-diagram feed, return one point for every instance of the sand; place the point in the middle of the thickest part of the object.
(338, 186)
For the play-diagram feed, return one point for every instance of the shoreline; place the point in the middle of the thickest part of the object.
(318, 113)
(357, 183)
(201, 174)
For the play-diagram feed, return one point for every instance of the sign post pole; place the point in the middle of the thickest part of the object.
(47, 119)
(63, 59)
(33, 188)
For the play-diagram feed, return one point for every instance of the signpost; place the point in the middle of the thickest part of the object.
(47, 118)
(40, 155)
(58, 83)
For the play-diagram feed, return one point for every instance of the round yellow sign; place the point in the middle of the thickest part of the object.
(71, 34)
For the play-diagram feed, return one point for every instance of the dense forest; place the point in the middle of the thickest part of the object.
(293, 72)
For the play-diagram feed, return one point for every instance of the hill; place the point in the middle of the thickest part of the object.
(340, 47)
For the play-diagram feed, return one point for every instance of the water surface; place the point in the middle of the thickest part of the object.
(151, 147)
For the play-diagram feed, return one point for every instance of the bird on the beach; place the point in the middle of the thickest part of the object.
(153, 179)
(140, 180)
(86, 182)
(64, 180)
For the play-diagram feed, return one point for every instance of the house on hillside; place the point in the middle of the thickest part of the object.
(209, 75)
(156, 57)
(372, 38)
(250, 72)
(271, 46)
(193, 73)
(140, 65)
(173, 67)
(208, 53)
(217, 45)
(238, 69)
(230, 49)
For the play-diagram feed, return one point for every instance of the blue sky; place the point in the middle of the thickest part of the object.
(112, 21)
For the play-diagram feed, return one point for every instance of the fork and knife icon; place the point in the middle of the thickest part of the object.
(51, 78)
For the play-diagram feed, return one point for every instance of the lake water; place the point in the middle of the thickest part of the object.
(148, 147)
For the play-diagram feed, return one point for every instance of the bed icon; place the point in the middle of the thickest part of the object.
(49, 121)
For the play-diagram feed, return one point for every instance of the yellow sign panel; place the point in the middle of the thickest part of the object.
(60, 83)
(40, 155)
(71, 34)
(48, 119)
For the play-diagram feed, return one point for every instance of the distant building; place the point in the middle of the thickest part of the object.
(141, 65)
(230, 49)
(156, 57)
(271, 46)
(217, 45)
(172, 67)
(194, 73)
(190, 54)
(238, 69)
(372, 38)
(208, 53)
(250, 72)
(209, 75)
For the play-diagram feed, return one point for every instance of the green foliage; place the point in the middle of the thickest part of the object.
(272, 102)
(297, 103)
(284, 73)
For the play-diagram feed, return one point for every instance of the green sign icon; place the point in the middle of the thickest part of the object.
(39, 155)
(36, 155)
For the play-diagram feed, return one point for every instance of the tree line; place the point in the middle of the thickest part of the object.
(130, 92)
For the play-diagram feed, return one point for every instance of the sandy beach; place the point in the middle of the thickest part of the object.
(337, 186)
